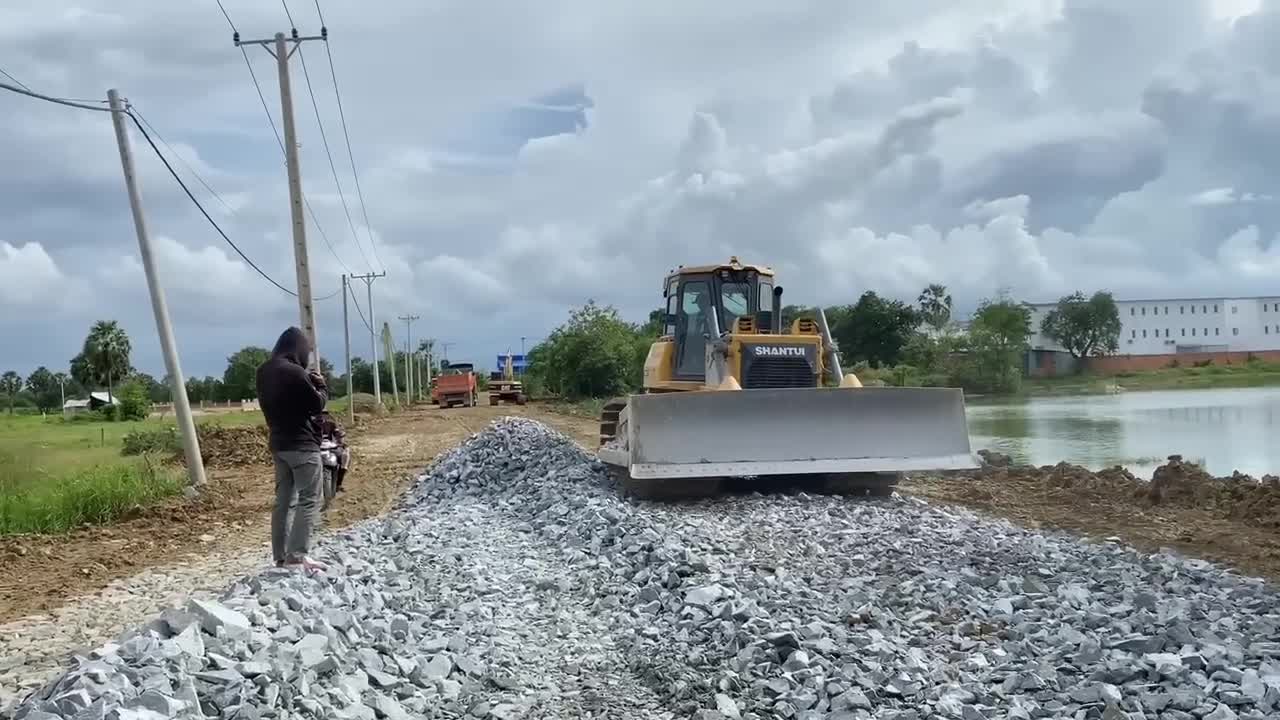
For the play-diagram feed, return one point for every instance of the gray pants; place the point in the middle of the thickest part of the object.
(298, 473)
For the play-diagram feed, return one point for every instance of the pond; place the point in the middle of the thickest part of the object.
(1223, 430)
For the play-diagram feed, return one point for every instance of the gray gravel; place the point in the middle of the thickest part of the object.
(512, 582)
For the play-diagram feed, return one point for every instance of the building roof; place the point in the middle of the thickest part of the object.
(104, 397)
(1218, 298)
(74, 404)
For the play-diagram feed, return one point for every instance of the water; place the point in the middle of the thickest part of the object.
(1223, 430)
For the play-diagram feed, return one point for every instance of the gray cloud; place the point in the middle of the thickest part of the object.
(516, 163)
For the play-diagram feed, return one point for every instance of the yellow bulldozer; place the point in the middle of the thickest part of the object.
(732, 397)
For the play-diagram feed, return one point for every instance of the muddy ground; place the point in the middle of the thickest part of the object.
(38, 574)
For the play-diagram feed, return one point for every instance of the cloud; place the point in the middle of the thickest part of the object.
(29, 277)
(516, 163)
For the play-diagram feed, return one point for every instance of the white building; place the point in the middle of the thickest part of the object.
(1164, 327)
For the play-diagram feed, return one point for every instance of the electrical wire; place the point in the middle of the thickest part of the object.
(201, 208)
(333, 168)
(48, 98)
(185, 164)
(358, 310)
(364, 210)
(16, 80)
(280, 141)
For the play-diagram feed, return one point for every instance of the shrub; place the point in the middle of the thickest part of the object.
(135, 403)
(91, 496)
(163, 440)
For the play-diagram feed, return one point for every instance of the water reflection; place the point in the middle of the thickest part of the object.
(1225, 430)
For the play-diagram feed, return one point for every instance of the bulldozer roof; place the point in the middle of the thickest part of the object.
(733, 264)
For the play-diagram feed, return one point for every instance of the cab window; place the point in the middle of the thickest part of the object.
(735, 302)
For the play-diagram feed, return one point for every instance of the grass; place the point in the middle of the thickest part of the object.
(585, 408)
(56, 475)
(34, 502)
(1248, 374)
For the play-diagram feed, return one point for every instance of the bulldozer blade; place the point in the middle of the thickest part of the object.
(753, 433)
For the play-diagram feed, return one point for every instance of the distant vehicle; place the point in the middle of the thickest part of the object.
(455, 385)
(504, 387)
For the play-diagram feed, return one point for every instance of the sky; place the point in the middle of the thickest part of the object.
(519, 159)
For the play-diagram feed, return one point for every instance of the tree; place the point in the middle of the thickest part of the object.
(997, 343)
(134, 403)
(106, 350)
(44, 389)
(594, 354)
(656, 323)
(240, 380)
(1085, 328)
(11, 385)
(874, 329)
(935, 306)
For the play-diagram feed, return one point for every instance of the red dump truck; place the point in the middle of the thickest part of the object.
(455, 385)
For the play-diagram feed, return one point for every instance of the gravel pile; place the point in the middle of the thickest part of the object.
(512, 582)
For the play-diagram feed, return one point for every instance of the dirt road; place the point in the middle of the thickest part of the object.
(40, 574)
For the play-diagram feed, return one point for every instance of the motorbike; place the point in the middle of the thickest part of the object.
(331, 451)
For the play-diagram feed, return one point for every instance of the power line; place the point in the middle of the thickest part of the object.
(324, 138)
(279, 141)
(47, 98)
(358, 310)
(24, 85)
(364, 210)
(138, 122)
(212, 222)
(183, 161)
(219, 197)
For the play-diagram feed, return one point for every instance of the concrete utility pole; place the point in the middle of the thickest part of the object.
(444, 355)
(346, 337)
(282, 53)
(408, 355)
(389, 346)
(182, 409)
(373, 339)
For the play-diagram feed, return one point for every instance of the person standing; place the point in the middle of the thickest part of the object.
(291, 397)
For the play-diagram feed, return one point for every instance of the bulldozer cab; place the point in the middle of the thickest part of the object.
(702, 303)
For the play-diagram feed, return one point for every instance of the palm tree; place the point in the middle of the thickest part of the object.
(107, 350)
(11, 384)
(935, 306)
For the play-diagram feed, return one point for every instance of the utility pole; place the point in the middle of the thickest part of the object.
(523, 361)
(282, 53)
(346, 337)
(390, 347)
(408, 356)
(186, 426)
(445, 353)
(373, 340)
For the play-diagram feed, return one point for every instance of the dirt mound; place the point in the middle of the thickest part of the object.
(1176, 484)
(233, 446)
(1240, 496)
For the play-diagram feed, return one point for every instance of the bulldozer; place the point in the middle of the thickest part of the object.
(731, 397)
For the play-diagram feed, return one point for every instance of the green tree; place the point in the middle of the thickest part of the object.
(594, 354)
(935, 306)
(791, 313)
(997, 343)
(656, 323)
(11, 385)
(44, 389)
(875, 330)
(240, 379)
(1084, 327)
(106, 352)
(134, 402)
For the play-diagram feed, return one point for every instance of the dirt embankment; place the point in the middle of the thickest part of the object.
(1235, 520)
